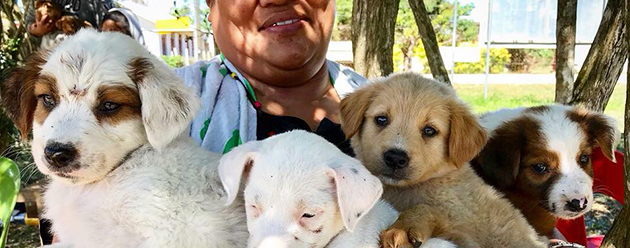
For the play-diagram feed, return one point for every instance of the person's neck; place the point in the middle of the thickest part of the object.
(301, 90)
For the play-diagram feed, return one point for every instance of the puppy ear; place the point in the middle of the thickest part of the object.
(600, 129)
(236, 165)
(17, 92)
(357, 189)
(467, 137)
(168, 105)
(353, 108)
(500, 158)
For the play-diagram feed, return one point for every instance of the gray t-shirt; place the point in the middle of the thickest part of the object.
(88, 10)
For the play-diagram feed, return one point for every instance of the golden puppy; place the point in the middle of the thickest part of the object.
(418, 137)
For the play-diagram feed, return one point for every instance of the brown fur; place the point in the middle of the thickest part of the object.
(128, 99)
(17, 92)
(438, 193)
(505, 166)
(46, 84)
(599, 130)
(138, 69)
(505, 162)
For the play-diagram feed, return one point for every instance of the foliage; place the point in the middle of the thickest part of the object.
(343, 20)
(408, 44)
(205, 25)
(9, 53)
(531, 60)
(179, 12)
(499, 58)
(441, 14)
(174, 61)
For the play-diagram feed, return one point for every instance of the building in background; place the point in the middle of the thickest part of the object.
(167, 35)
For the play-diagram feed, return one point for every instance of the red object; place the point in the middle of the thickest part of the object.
(608, 180)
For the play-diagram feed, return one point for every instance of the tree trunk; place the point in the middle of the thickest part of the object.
(619, 234)
(373, 23)
(604, 62)
(565, 49)
(425, 28)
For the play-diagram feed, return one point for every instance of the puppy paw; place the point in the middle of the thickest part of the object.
(399, 238)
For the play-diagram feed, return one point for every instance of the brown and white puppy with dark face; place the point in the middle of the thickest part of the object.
(418, 138)
(540, 158)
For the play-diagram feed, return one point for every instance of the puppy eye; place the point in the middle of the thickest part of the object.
(308, 216)
(540, 168)
(108, 107)
(429, 131)
(381, 120)
(47, 100)
(584, 159)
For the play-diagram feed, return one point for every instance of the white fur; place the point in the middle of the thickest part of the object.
(563, 137)
(135, 183)
(167, 198)
(295, 173)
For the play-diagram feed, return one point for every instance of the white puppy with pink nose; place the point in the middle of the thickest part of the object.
(301, 191)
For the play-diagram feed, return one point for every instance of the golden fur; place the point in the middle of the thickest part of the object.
(437, 193)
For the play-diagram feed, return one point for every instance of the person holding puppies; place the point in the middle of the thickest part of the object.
(272, 75)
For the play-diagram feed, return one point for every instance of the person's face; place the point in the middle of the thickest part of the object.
(111, 26)
(272, 35)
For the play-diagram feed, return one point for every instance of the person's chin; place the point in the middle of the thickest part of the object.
(293, 59)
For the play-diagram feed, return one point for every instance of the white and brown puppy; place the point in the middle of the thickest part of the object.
(106, 118)
(302, 191)
(540, 158)
(418, 138)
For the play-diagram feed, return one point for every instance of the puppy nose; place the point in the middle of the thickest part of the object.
(59, 154)
(577, 205)
(396, 159)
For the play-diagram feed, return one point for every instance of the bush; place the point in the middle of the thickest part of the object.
(174, 61)
(531, 60)
(499, 58)
(9, 54)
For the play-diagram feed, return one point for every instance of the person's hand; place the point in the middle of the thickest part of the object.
(41, 27)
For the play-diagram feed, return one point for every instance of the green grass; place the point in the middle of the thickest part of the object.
(518, 95)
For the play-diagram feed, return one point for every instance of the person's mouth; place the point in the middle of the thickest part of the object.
(283, 22)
